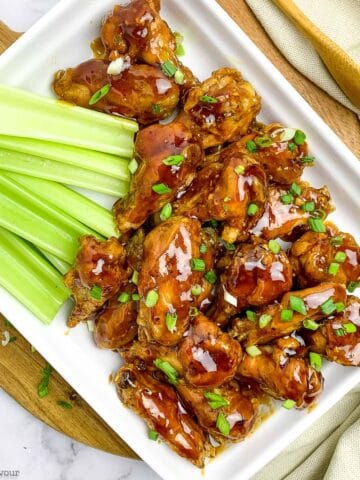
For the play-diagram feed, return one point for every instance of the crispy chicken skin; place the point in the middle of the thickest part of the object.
(209, 356)
(96, 277)
(253, 275)
(280, 219)
(169, 250)
(133, 93)
(222, 107)
(313, 253)
(338, 339)
(282, 160)
(283, 374)
(252, 333)
(163, 411)
(153, 145)
(240, 411)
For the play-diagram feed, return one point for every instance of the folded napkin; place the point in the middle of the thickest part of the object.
(338, 19)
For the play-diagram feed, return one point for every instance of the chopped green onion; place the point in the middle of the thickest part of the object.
(196, 290)
(230, 247)
(161, 189)
(310, 324)
(213, 223)
(153, 435)
(299, 137)
(333, 268)
(239, 169)
(208, 99)
(328, 307)
(171, 319)
(152, 298)
(315, 361)
(180, 50)
(295, 189)
(203, 248)
(287, 199)
(307, 159)
(179, 77)
(166, 212)
(337, 241)
(288, 404)
(291, 146)
(349, 328)
(274, 246)
(124, 297)
(222, 424)
(297, 304)
(135, 297)
(215, 400)
(264, 320)
(135, 277)
(286, 315)
(340, 307)
(174, 160)
(197, 265)
(252, 209)
(96, 292)
(317, 225)
(133, 166)
(264, 141)
(308, 207)
(168, 369)
(101, 93)
(340, 257)
(352, 286)
(211, 276)
(251, 315)
(253, 351)
(168, 68)
(65, 405)
(43, 387)
(339, 332)
(193, 312)
(251, 146)
(156, 108)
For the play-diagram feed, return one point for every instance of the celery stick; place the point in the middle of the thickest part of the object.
(73, 203)
(60, 172)
(30, 278)
(60, 265)
(45, 226)
(104, 163)
(24, 114)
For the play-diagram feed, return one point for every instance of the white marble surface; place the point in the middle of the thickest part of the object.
(28, 446)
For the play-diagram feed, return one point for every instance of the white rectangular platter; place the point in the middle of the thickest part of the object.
(61, 39)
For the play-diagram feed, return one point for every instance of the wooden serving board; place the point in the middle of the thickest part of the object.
(20, 368)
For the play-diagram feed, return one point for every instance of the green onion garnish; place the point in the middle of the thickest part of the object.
(230, 247)
(288, 404)
(307, 159)
(337, 241)
(166, 212)
(287, 199)
(252, 209)
(168, 369)
(156, 108)
(211, 276)
(340, 307)
(208, 99)
(170, 321)
(161, 188)
(124, 297)
(352, 286)
(135, 277)
(135, 297)
(250, 146)
(179, 77)
(215, 400)
(43, 387)
(197, 265)
(291, 146)
(222, 424)
(315, 361)
(310, 324)
(174, 160)
(253, 351)
(297, 304)
(196, 290)
(168, 68)
(180, 50)
(286, 315)
(239, 169)
(264, 320)
(193, 312)
(328, 307)
(133, 166)
(299, 137)
(152, 298)
(274, 247)
(65, 405)
(295, 189)
(153, 435)
(96, 292)
(100, 94)
(264, 141)
(349, 328)
(308, 207)
(339, 332)
(333, 268)
(203, 248)
(251, 315)
(340, 257)
(317, 225)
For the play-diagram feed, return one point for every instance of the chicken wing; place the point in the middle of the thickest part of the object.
(99, 270)
(271, 322)
(141, 92)
(161, 408)
(324, 257)
(168, 156)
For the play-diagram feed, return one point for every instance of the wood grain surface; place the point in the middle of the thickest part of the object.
(20, 368)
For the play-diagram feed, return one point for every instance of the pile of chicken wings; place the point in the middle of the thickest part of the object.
(226, 281)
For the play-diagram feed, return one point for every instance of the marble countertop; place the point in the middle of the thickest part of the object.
(29, 449)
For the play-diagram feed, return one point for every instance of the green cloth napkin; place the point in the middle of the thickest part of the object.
(338, 19)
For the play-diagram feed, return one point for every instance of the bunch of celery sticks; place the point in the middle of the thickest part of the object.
(44, 145)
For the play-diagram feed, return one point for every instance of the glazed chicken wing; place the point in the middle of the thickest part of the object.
(141, 92)
(283, 374)
(96, 277)
(168, 156)
(285, 211)
(253, 275)
(271, 322)
(209, 356)
(338, 339)
(323, 257)
(161, 408)
(222, 107)
(177, 274)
